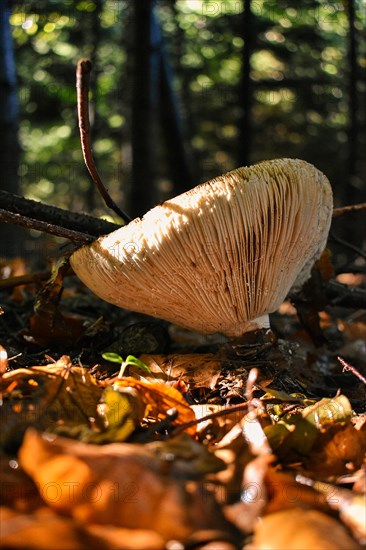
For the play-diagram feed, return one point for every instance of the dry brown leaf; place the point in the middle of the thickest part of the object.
(42, 531)
(214, 429)
(353, 514)
(14, 267)
(338, 451)
(198, 369)
(350, 505)
(159, 398)
(18, 491)
(299, 529)
(56, 329)
(46, 397)
(121, 484)
(3, 360)
(48, 325)
(112, 538)
(353, 331)
(187, 458)
(284, 492)
(253, 495)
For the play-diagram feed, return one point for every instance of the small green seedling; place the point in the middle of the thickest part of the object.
(130, 360)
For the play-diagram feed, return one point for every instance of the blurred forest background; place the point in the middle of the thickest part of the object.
(181, 91)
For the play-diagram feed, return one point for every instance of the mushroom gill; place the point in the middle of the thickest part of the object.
(220, 256)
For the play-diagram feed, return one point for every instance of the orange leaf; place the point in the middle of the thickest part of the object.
(159, 399)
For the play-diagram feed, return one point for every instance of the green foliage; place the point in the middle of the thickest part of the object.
(299, 78)
(130, 360)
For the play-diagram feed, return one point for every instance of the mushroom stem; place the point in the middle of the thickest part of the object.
(261, 322)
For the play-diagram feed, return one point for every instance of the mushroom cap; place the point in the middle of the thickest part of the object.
(220, 255)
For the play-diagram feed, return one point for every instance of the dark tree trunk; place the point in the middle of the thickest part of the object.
(180, 40)
(9, 147)
(172, 127)
(352, 100)
(245, 90)
(144, 107)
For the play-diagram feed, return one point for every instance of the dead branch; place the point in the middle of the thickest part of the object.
(333, 237)
(30, 223)
(53, 215)
(28, 278)
(349, 209)
(345, 295)
(347, 367)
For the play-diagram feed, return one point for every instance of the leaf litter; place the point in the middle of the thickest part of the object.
(196, 442)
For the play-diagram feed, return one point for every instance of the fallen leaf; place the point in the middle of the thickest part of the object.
(52, 397)
(253, 495)
(18, 490)
(284, 492)
(42, 531)
(338, 451)
(185, 457)
(298, 431)
(3, 360)
(198, 369)
(350, 505)
(126, 485)
(122, 412)
(54, 328)
(159, 398)
(109, 537)
(297, 529)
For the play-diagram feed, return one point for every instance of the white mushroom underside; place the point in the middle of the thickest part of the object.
(219, 256)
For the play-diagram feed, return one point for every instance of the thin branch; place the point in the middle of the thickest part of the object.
(345, 295)
(347, 367)
(83, 70)
(347, 244)
(30, 223)
(229, 410)
(28, 278)
(337, 212)
(55, 216)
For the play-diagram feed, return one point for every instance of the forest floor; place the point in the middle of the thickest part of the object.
(119, 431)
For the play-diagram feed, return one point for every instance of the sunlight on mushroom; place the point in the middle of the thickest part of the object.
(220, 257)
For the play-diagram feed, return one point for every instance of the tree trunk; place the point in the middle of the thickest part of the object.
(172, 127)
(245, 90)
(93, 33)
(144, 107)
(9, 148)
(352, 102)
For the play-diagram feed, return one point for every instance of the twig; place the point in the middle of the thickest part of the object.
(83, 70)
(26, 279)
(348, 209)
(159, 427)
(354, 371)
(30, 223)
(251, 380)
(350, 268)
(229, 410)
(223, 412)
(345, 295)
(53, 215)
(347, 244)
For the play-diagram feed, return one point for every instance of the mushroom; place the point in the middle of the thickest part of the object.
(220, 257)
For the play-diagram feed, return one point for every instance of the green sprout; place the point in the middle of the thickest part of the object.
(130, 360)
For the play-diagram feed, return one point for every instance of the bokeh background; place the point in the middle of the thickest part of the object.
(181, 91)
